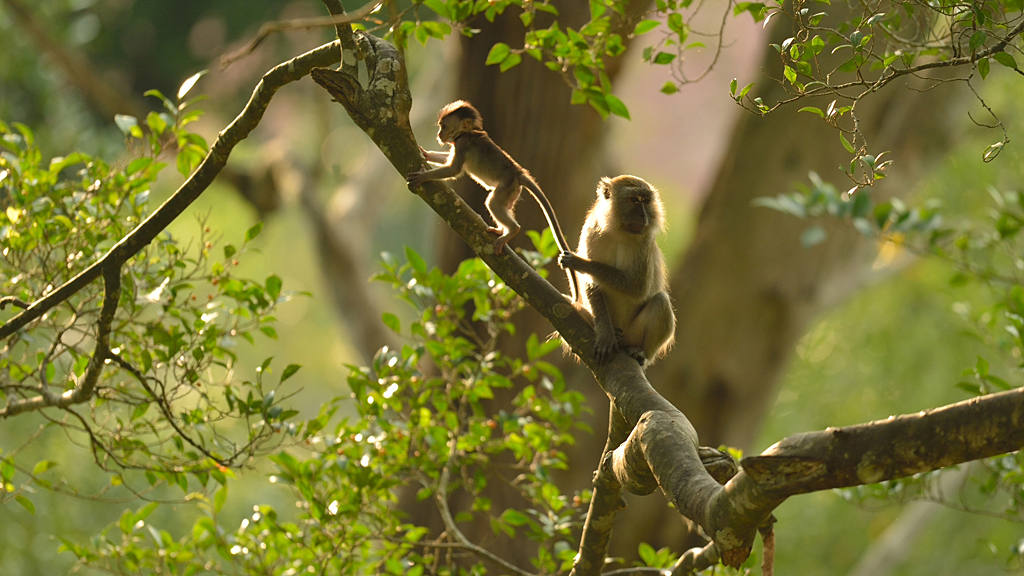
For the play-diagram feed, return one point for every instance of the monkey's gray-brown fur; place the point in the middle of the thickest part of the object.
(625, 282)
(474, 153)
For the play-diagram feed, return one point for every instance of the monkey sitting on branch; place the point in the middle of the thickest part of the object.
(474, 153)
(625, 283)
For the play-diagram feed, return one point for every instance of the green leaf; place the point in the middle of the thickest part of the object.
(732, 87)
(511, 61)
(584, 75)
(647, 554)
(1005, 59)
(790, 74)
(274, 286)
(970, 388)
(140, 411)
(846, 143)
(391, 321)
(43, 466)
(977, 40)
(616, 106)
(664, 58)
(438, 7)
(812, 109)
(125, 123)
(219, 498)
(992, 151)
(813, 236)
(189, 83)
(290, 371)
(26, 504)
(645, 26)
(514, 517)
(669, 88)
(417, 262)
(254, 231)
(499, 52)
(983, 67)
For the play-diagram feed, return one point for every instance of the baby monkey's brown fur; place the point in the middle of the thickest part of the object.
(625, 282)
(474, 153)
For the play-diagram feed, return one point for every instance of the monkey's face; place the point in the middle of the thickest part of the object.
(633, 208)
(636, 217)
(449, 129)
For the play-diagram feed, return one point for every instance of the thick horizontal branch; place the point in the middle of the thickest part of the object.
(195, 185)
(896, 447)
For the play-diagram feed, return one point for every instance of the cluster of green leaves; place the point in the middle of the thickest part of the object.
(169, 126)
(167, 400)
(847, 52)
(889, 219)
(419, 422)
(578, 54)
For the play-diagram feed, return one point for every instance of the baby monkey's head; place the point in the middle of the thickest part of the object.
(457, 118)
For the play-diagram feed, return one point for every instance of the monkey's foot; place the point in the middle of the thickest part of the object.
(603, 351)
(494, 230)
(636, 353)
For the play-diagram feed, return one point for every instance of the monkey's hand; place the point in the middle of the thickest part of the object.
(569, 261)
(416, 178)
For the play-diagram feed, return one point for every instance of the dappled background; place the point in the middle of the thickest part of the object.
(775, 336)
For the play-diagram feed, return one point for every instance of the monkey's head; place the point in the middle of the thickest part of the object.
(457, 118)
(633, 205)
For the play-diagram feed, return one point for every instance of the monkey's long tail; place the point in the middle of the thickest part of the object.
(556, 231)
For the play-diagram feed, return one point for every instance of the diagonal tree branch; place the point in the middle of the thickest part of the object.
(196, 184)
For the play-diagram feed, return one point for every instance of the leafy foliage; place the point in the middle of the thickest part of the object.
(848, 51)
(168, 399)
(420, 422)
(985, 250)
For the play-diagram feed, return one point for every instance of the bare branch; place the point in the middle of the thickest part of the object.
(295, 24)
(12, 301)
(453, 529)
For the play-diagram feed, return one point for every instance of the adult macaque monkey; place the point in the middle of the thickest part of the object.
(625, 283)
(474, 153)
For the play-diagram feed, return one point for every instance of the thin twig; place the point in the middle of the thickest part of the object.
(452, 527)
(297, 23)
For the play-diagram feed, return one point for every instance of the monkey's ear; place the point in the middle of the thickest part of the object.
(604, 187)
(468, 125)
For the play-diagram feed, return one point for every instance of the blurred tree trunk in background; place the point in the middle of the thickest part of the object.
(747, 289)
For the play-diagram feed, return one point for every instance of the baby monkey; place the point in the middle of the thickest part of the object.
(625, 284)
(474, 153)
